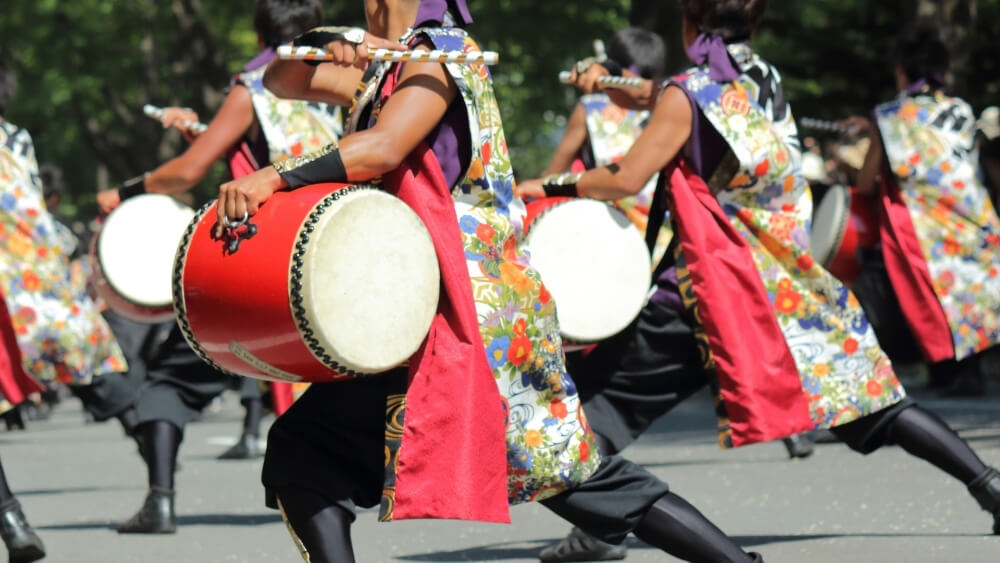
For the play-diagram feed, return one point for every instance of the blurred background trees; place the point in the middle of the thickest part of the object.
(86, 67)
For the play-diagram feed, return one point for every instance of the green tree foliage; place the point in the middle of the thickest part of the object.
(86, 67)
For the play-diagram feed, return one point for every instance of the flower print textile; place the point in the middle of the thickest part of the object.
(768, 201)
(550, 447)
(928, 141)
(60, 331)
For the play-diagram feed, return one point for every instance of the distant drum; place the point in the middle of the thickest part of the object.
(326, 282)
(134, 256)
(845, 223)
(593, 261)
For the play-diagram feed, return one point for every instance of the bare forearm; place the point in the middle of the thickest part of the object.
(323, 83)
(176, 176)
(604, 184)
(868, 175)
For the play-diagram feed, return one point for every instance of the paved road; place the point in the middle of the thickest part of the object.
(75, 480)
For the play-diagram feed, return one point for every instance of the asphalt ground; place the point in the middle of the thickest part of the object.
(76, 480)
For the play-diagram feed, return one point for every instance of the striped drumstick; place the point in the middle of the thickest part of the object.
(823, 125)
(157, 113)
(608, 81)
(419, 55)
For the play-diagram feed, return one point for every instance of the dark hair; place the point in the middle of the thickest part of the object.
(922, 54)
(52, 180)
(733, 20)
(640, 48)
(8, 85)
(280, 21)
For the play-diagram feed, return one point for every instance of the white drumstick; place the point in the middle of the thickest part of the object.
(420, 55)
(157, 113)
(608, 81)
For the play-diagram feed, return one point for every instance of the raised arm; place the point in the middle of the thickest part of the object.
(327, 83)
(180, 174)
(415, 108)
(661, 141)
(572, 142)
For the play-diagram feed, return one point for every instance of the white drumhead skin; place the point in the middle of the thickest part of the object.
(370, 281)
(828, 223)
(595, 264)
(137, 245)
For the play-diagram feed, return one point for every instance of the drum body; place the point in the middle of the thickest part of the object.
(326, 282)
(134, 256)
(593, 261)
(846, 222)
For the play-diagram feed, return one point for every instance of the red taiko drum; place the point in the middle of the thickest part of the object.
(593, 261)
(326, 282)
(845, 223)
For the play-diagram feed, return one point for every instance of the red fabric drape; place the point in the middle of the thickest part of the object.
(911, 279)
(759, 380)
(15, 383)
(453, 457)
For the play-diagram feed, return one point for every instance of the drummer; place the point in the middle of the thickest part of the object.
(178, 385)
(432, 132)
(940, 257)
(741, 216)
(600, 132)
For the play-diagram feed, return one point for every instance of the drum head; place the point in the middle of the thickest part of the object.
(137, 244)
(595, 264)
(370, 281)
(828, 224)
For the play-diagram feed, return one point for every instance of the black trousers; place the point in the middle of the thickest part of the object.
(165, 381)
(332, 442)
(642, 373)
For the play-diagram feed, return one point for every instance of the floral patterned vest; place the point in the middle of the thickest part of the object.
(291, 127)
(760, 187)
(929, 146)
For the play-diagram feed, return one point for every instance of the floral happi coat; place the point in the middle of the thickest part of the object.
(549, 445)
(291, 127)
(844, 373)
(611, 131)
(929, 146)
(59, 328)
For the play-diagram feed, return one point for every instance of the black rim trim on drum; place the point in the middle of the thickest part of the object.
(182, 320)
(295, 280)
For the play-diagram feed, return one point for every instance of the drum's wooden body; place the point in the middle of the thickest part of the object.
(593, 261)
(133, 256)
(337, 281)
(846, 222)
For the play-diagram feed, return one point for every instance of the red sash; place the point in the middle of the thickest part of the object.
(911, 279)
(759, 380)
(15, 384)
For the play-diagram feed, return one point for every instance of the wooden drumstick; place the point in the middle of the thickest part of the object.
(388, 55)
(608, 81)
(157, 113)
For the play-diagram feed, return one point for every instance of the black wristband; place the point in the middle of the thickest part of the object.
(131, 188)
(316, 168)
(561, 185)
(613, 68)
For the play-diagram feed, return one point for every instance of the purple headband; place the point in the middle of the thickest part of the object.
(711, 50)
(434, 10)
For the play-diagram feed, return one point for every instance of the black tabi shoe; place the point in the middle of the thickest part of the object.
(756, 557)
(23, 544)
(799, 446)
(986, 490)
(156, 515)
(246, 448)
(581, 546)
(14, 419)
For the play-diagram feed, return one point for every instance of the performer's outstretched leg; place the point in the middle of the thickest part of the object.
(23, 544)
(321, 529)
(159, 441)
(622, 498)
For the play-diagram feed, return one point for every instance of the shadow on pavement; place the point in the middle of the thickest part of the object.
(68, 490)
(186, 520)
